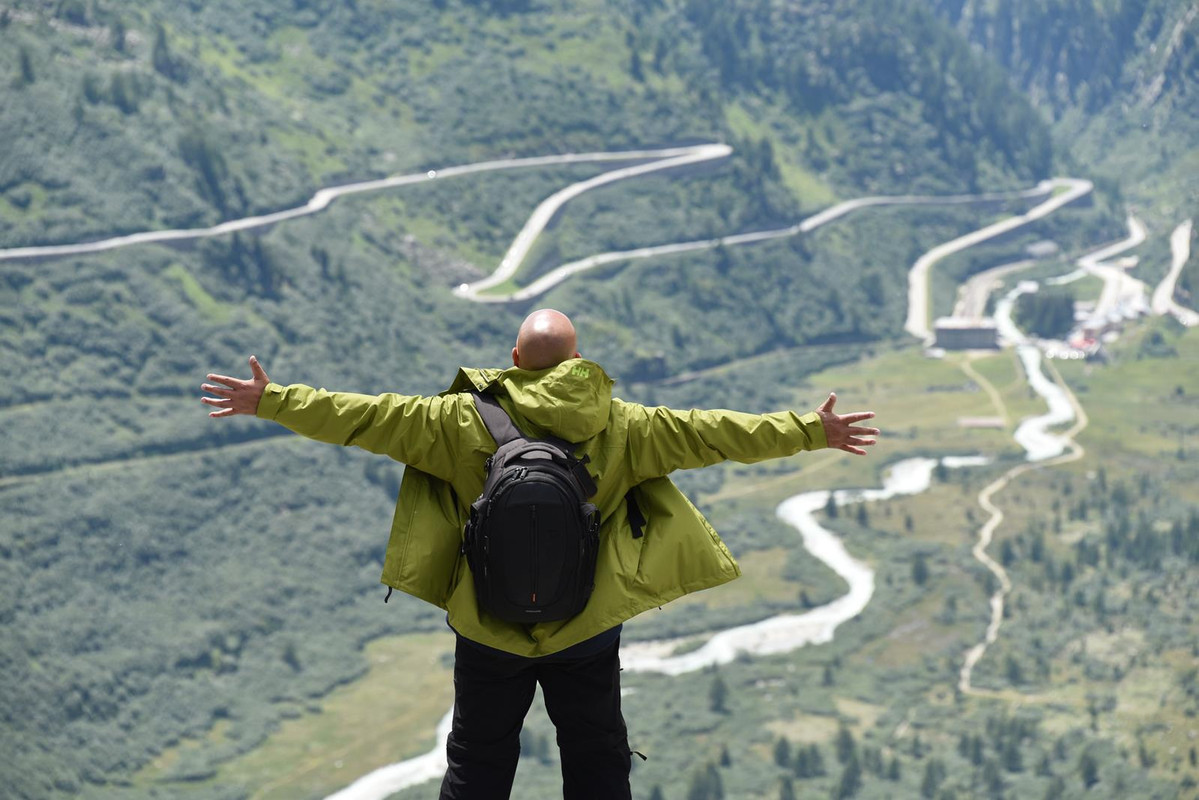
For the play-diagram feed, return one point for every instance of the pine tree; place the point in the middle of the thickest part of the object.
(724, 261)
(1144, 756)
(808, 762)
(851, 779)
(715, 784)
(830, 506)
(163, 59)
(659, 55)
(847, 748)
(803, 767)
(699, 788)
(117, 35)
(934, 773)
(1013, 761)
(919, 569)
(786, 790)
(976, 751)
(993, 779)
(124, 92)
(1013, 671)
(893, 772)
(872, 760)
(160, 55)
(656, 793)
(1007, 552)
(291, 658)
(1088, 769)
(782, 752)
(25, 74)
(817, 761)
(718, 696)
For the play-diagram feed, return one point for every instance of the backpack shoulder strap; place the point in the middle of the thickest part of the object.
(503, 430)
(498, 423)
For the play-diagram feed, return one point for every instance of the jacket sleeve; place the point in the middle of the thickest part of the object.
(662, 440)
(427, 433)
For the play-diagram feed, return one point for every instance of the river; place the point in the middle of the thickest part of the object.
(789, 631)
(778, 634)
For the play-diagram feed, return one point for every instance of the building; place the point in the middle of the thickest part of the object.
(961, 333)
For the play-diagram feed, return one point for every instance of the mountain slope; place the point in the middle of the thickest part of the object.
(1117, 79)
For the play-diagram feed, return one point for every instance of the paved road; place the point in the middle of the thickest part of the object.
(1122, 295)
(666, 158)
(973, 294)
(551, 279)
(545, 211)
(1163, 295)
(917, 322)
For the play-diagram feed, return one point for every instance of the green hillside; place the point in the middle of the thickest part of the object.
(174, 589)
(1117, 80)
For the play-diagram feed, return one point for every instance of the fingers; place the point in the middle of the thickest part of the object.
(827, 405)
(212, 401)
(857, 451)
(863, 431)
(855, 416)
(224, 412)
(232, 383)
(859, 442)
(217, 390)
(257, 370)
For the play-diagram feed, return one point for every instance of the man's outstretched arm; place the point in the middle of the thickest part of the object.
(662, 440)
(424, 432)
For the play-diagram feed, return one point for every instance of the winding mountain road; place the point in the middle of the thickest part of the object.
(1122, 295)
(654, 160)
(663, 158)
(512, 262)
(918, 322)
(1163, 296)
(973, 294)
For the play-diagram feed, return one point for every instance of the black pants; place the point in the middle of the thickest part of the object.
(493, 693)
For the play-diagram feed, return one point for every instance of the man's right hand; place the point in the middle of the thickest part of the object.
(839, 430)
(236, 396)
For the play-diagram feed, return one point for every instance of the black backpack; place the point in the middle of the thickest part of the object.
(532, 537)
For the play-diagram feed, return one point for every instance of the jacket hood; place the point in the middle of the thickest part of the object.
(571, 400)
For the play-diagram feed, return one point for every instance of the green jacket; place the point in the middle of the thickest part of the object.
(444, 442)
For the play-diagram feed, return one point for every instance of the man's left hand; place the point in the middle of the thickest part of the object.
(237, 396)
(840, 431)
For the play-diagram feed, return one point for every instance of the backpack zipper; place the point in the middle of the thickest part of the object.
(533, 538)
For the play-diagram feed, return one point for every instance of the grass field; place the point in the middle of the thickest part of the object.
(387, 715)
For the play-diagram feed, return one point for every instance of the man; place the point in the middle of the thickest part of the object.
(647, 557)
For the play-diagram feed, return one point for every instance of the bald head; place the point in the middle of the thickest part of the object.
(546, 339)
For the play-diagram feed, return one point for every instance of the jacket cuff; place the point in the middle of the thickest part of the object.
(814, 429)
(270, 402)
